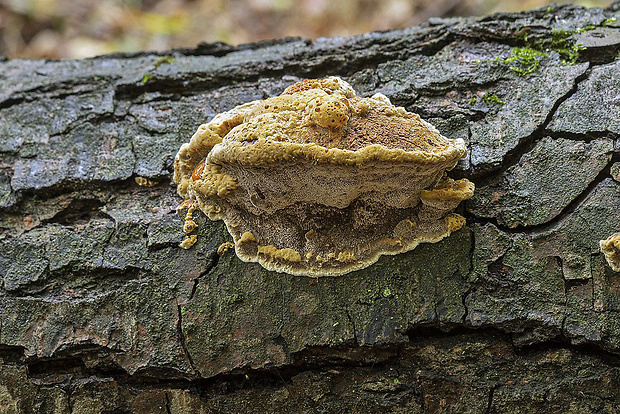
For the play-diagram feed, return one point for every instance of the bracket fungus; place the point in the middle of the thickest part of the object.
(320, 182)
(611, 249)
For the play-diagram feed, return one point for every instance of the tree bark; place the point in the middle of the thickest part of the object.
(101, 311)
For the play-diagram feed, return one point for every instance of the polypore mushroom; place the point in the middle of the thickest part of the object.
(320, 182)
(611, 249)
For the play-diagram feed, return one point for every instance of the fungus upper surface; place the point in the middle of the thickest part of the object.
(320, 182)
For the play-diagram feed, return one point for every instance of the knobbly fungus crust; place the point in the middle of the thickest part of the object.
(320, 182)
(611, 249)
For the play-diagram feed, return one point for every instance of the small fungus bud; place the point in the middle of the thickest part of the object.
(611, 249)
(320, 182)
(145, 182)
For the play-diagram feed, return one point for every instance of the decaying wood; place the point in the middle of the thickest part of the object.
(101, 311)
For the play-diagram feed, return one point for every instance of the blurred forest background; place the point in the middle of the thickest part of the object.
(83, 28)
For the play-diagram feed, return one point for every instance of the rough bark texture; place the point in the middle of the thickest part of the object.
(101, 311)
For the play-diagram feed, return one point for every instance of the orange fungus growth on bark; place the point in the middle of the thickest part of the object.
(320, 182)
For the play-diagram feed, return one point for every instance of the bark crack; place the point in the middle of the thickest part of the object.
(350, 319)
(489, 408)
(213, 261)
(181, 336)
(167, 396)
(564, 214)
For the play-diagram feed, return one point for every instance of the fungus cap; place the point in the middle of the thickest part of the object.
(320, 182)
